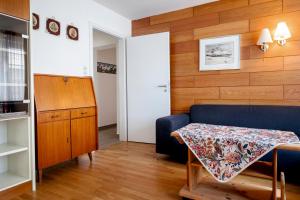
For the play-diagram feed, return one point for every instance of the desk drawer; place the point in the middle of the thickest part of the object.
(83, 112)
(53, 116)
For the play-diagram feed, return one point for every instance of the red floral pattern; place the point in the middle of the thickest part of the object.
(225, 151)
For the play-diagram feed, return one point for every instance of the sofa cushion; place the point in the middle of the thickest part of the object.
(285, 118)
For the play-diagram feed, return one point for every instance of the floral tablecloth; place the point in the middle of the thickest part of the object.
(225, 151)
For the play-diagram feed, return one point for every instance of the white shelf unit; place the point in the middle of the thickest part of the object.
(15, 155)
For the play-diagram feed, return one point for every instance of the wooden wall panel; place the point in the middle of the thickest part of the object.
(235, 92)
(291, 77)
(291, 19)
(198, 93)
(213, 80)
(136, 24)
(195, 22)
(222, 29)
(185, 47)
(181, 103)
(252, 11)
(222, 101)
(292, 48)
(252, 92)
(183, 82)
(292, 92)
(219, 6)
(182, 36)
(266, 78)
(291, 5)
(249, 39)
(184, 64)
(272, 78)
(16, 8)
(258, 65)
(172, 16)
(264, 64)
(158, 28)
(271, 21)
(252, 2)
(291, 62)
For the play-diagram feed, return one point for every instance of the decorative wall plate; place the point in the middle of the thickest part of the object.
(53, 26)
(35, 21)
(72, 32)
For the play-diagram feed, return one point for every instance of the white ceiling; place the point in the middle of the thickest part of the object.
(136, 9)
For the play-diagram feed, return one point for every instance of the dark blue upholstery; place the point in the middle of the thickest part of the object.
(285, 118)
(166, 144)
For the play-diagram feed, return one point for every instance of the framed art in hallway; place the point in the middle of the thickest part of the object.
(106, 68)
(222, 53)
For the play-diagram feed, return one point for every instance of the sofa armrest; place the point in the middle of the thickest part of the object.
(164, 127)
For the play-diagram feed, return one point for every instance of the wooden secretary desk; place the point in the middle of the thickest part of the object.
(66, 119)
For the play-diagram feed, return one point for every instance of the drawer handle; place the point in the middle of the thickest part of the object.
(83, 113)
(54, 116)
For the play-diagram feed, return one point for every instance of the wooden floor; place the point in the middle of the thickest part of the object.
(125, 171)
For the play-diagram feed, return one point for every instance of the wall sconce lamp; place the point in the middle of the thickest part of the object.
(282, 33)
(265, 39)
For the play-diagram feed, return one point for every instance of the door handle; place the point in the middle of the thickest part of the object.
(162, 86)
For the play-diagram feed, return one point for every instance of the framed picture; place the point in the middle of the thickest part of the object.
(106, 68)
(222, 53)
(35, 21)
(53, 27)
(72, 32)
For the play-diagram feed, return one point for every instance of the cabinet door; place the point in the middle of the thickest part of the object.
(53, 143)
(84, 135)
(16, 8)
(82, 93)
(51, 92)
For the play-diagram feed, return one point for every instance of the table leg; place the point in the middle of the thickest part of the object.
(192, 172)
(282, 186)
(275, 156)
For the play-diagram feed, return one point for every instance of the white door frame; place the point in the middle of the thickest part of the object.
(121, 77)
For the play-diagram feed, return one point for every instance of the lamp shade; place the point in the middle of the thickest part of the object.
(265, 37)
(282, 32)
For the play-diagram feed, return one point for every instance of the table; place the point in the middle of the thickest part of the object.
(194, 189)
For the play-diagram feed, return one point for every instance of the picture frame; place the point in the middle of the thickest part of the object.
(106, 68)
(53, 27)
(221, 53)
(35, 21)
(72, 32)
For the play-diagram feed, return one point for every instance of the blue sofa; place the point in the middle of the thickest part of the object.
(286, 118)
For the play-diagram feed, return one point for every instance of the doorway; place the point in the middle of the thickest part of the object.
(105, 85)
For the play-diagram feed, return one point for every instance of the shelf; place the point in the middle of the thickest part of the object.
(8, 149)
(13, 85)
(13, 117)
(9, 180)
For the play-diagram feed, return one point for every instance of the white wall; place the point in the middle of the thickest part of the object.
(106, 88)
(59, 55)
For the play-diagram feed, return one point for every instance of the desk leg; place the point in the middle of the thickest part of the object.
(275, 156)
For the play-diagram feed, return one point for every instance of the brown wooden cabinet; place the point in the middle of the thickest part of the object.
(66, 115)
(16, 8)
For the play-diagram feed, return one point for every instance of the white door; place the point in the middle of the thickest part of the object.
(148, 84)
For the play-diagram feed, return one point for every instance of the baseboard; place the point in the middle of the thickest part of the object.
(106, 127)
(17, 190)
